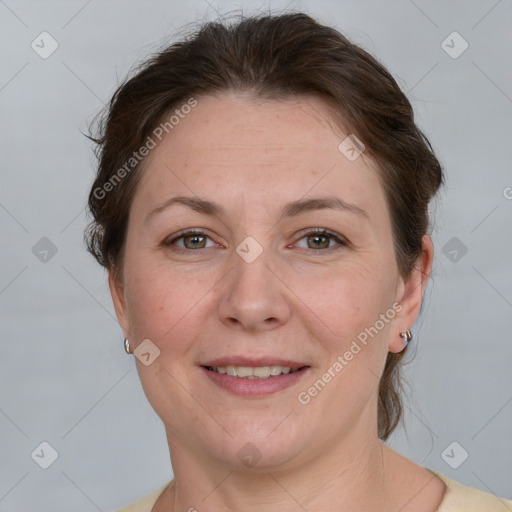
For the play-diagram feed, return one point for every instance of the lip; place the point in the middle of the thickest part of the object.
(255, 387)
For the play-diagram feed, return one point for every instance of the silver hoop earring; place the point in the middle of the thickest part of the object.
(406, 336)
(127, 346)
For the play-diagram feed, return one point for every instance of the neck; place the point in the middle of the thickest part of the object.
(349, 475)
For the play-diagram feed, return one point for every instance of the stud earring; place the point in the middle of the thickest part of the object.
(406, 336)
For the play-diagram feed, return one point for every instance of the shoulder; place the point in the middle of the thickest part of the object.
(457, 498)
(461, 498)
(145, 504)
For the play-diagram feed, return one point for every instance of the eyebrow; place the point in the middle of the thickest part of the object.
(289, 210)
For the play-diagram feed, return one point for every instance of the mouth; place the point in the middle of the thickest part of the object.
(250, 373)
(253, 378)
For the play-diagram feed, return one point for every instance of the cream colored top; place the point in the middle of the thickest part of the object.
(457, 498)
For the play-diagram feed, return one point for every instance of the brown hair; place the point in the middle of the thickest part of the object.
(271, 57)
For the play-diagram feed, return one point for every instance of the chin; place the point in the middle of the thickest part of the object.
(260, 446)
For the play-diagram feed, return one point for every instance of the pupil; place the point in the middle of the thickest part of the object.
(195, 240)
(317, 241)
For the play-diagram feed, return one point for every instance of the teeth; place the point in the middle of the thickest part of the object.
(247, 372)
(275, 370)
(243, 371)
(262, 372)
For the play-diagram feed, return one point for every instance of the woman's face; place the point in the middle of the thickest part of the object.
(257, 287)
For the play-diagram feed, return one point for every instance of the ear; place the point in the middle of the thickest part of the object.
(118, 297)
(410, 294)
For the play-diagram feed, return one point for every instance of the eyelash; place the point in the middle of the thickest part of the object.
(312, 232)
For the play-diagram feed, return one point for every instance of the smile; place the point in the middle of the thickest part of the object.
(254, 381)
(249, 373)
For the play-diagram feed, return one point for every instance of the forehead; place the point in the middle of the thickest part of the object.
(231, 144)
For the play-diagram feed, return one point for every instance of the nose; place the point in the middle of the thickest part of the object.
(254, 297)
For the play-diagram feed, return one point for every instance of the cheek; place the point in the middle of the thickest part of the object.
(163, 303)
(353, 337)
(349, 298)
(167, 307)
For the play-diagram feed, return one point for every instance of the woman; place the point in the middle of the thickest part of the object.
(261, 206)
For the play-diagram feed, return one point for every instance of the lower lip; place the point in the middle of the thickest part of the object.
(255, 387)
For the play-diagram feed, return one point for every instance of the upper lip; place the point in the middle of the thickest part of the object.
(254, 362)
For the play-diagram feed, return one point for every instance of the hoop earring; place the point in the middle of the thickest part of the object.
(406, 336)
(127, 346)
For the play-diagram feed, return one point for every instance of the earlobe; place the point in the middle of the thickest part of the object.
(412, 289)
(119, 300)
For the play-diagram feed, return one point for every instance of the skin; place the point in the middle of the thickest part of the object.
(295, 301)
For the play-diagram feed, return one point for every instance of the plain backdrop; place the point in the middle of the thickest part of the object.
(65, 379)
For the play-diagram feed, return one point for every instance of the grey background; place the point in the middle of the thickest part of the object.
(64, 376)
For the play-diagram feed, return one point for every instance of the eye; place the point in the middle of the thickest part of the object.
(321, 239)
(190, 239)
(195, 239)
